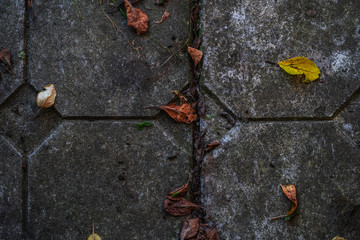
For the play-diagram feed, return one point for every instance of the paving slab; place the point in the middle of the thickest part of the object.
(242, 177)
(348, 120)
(244, 34)
(10, 191)
(18, 122)
(93, 67)
(12, 37)
(109, 174)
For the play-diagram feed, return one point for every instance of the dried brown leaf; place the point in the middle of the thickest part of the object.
(5, 58)
(182, 113)
(290, 192)
(46, 97)
(196, 55)
(136, 18)
(179, 206)
(180, 191)
(190, 228)
(212, 145)
(212, 234)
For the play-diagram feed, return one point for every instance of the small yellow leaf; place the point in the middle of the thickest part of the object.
(299, 66)
(94, 236)
(46, 97)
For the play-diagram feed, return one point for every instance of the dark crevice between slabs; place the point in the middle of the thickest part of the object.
(24, 171)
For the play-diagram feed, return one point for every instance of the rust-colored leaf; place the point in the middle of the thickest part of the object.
(5, 58)
(180, 191)
(136, 18)
(180, 113)
(46, 97)
(179, 206)
(212, 145)
(196, 55)
(290, 192)
(211, 234)
(163, 18)
(189, 229)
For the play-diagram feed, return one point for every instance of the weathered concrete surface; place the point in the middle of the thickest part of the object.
(17, 120)
(349, 120)
(93, 67)
(241, 35)
(241, 182)
(109, 174)
(11, 36)
(10, 192)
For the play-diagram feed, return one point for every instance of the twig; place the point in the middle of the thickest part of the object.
(274, 218)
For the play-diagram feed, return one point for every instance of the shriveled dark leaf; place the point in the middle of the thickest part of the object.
(190, 228)
(196, 43)
(5, 58)
(180, 191)
(179, 206)
(212, 145)
(211, 234)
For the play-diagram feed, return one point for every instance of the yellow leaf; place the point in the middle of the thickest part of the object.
(94, 236)
(299, 66)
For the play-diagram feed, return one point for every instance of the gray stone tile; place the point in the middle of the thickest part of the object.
(92, 66)
(10, 191)
(348, 120)
(12, 37)
(17, 120)
(109, 174)
(241, 35)
(241, 182)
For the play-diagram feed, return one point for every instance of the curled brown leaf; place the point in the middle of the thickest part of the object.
(136, 18)
(190, 228)
(46, 97)
(179, 206)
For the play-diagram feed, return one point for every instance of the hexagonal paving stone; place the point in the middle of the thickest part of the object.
(12, 37)
(241, 182)
(10, 191)
(109, 174)
(17, 120)
(244, 34)
(93, 67)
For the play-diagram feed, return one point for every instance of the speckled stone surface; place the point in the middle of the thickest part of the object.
(11, 37)
(93, 67)
(10, 191)
(241, 182)
(109, 174)
(242, 35)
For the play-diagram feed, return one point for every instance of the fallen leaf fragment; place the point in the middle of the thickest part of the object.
(136, 18)
(290, 192)
(299, 66)
(196, 55)
(163, 18)
(190, 228)
(212, 145)
(180, 191)
(180, 96)
(94, 236)
(180, 113)
(5, 58)
(179, 206)
(46, 97)
(212, 234)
